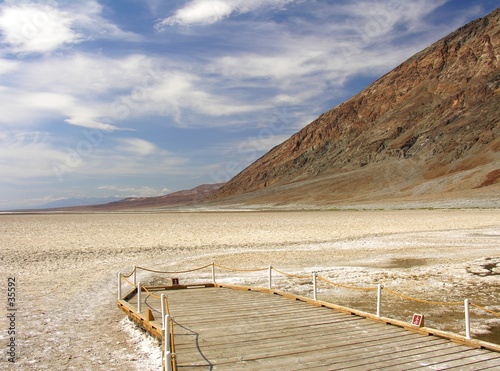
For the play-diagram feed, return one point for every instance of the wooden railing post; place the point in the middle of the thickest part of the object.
(166, 344)
(213, 273)
(163, 310)
(270, 277)
(119, 285)
(315, 290)
(135, 275)
(379, 299)
(467, 319)
(138, 297)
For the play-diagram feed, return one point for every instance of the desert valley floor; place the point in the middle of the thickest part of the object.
(65, 266)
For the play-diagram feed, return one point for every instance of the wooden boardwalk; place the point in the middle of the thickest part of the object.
(225, 329)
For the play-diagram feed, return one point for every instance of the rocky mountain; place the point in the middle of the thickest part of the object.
(428, 128)
(180, 198)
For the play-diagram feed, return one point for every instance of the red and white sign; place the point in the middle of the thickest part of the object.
(417, 320)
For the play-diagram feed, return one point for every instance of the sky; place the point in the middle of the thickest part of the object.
(139, 98)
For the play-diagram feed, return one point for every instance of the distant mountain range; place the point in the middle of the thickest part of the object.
(83, 201)
(429, 129)
(174, 199)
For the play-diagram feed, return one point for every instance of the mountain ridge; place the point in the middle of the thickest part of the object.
(180, 198)
(431, 120)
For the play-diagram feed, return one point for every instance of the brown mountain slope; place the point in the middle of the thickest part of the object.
(430, 127)
(175, 199)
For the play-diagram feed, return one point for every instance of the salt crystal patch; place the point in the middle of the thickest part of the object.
(147, 349)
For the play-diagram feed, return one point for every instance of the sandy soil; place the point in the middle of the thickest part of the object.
(65, 266)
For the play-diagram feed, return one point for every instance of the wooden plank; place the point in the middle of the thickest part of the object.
(273, 321)
(335, 325)
(487, 365)
(368, 349)
(295, 347)
(477, 361)
(321, 332)
(274, 350)
(243, 339)
(224, 311)
(293, 314)
(392, 358)
(323, 355)
(222, 314)
(255, 300)
(229, 347)
(236, 331)
(282, 342)
(429, 359)
(326, 328)
(153, 327)
(193, 286)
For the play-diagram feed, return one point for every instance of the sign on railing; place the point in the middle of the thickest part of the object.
(417, 320)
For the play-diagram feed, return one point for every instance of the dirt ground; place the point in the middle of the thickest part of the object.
(65, 268)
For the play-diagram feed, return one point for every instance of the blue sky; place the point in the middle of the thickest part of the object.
(145, 97)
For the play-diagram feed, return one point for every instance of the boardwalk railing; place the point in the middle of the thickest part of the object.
(165, 334)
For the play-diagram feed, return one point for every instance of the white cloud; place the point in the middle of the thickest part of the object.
(33, 154)
(87, 16)
(136, 147)
(36, 28)
(177, 94)
(100, 92)
(48, 101)
(7, 66)
(200, 12)
(83, 74)
(24, 108)
(27, 109)
(27, 155)
(286, 62)
(203, 12)
(370, 20)
(305, 58)
(42, 28)
(79, 89)
(92, 123)
(119, 161)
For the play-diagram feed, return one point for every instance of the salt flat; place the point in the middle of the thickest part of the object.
(65, 266)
